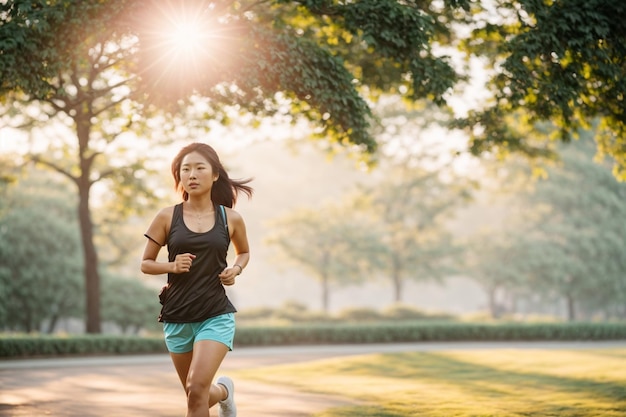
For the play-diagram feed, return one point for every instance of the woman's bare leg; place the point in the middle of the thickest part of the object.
(196, 370)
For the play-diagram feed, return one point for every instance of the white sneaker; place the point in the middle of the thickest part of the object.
(227, 406)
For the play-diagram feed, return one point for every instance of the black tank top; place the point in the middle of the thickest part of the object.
(198, 294)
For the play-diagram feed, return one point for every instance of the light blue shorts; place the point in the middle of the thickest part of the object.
(180, 337)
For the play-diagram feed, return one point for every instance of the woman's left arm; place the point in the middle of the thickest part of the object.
(239, 239)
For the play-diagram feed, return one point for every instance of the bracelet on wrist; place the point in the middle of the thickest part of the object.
(240, 268)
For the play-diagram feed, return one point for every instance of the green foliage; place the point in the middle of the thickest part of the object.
(129, 303)
(394, 313)
(411, 206)
(33, 346)
(318, 83)
(96, 66)
(423, 332)
(8, 175)
(104, 69)
(70, 63)
(566, 248)
(494, 262)
(405, 312)
(293, 313)
(316, 53)
(577, 246)
(394, 227)
(39, 40)
(253, 314)
(39, 254)
(328, 241)
(288, 313)
(359, 314)
(559, 61)
(27, 346)
(401, 36)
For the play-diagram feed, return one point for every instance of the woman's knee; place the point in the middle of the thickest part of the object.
(197, 394)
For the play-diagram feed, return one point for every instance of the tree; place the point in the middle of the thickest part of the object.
(493, 256)
(579, 242)
(89, 93)
(556, 61)
(413, 194)
(329, 241)
(101, 67)
(412, 206)
(131, 316)
(39, 254)
(492, 261)
(566, 247)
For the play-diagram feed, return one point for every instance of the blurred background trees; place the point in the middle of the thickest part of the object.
(41, 274)
(576, 247)
(561, 62)
(104, 88)
(332, 242)
(566, 248)
(102, 69)
(40, 254)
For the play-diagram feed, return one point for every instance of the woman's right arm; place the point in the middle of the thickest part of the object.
(157, 233)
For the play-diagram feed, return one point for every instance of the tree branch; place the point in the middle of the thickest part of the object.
(321, 10)
(253, 5)
(54, 167)
(108, 106)
(105, 174)
(56, 106)
(95, 69)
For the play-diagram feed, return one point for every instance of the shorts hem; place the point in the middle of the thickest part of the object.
(181, 338)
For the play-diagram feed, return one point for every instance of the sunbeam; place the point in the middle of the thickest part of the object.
(183, 43)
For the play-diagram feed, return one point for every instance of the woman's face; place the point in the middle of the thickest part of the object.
(196, 174)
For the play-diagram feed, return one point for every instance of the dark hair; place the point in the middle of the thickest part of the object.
(225, 190)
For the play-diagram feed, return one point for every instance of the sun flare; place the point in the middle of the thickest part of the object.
(186, 46)
(180, 41)
(186, 37)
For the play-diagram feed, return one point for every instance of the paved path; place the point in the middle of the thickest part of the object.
(133, 386)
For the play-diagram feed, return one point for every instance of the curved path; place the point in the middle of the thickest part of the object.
(133, 386)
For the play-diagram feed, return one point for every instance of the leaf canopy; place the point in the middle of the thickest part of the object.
(557, 61)
(324, 57)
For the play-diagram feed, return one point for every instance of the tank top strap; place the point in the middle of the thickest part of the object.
(177, 216)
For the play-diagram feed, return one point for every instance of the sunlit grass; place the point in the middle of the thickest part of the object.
(474, 383)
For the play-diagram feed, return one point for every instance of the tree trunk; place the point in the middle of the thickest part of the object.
(571, 308)
(25, 319)
(512, 296)
(92, 277)
(54, 319)
(325, 292)
(397, 282)
(491, 300)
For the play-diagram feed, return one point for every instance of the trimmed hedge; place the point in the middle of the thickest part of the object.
(46, 346)
(38, 346)
(426, 332)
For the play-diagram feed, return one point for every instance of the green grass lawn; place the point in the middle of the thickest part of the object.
(503, 382)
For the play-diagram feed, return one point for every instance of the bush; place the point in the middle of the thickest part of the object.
(293, 312)
(359, 314)
(321, 333)
(43, 346)
(419, 331)
(261, 313)
(403, 312)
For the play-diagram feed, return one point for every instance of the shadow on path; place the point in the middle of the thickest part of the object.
(133, 386)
